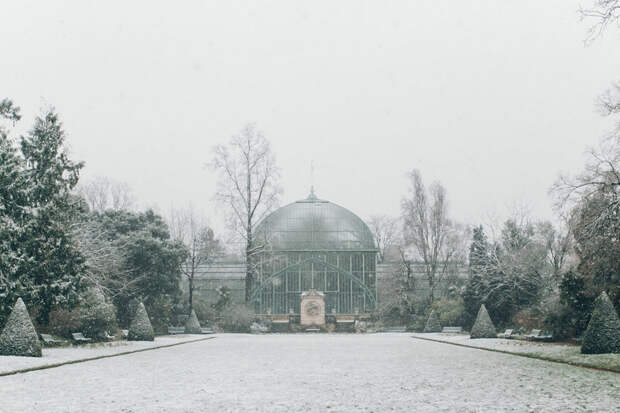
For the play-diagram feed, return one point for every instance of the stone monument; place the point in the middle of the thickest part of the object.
(312, 308)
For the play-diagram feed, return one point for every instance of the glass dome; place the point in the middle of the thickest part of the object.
(313, 224)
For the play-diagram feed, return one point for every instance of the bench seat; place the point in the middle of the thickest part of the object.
(452, 330)
(176, 330)
(79, 338)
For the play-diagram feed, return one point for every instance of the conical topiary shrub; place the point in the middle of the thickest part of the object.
(483, 327)
(141, 328)
(432, 324)
(19, 338)
(192, 325)
(603, 332)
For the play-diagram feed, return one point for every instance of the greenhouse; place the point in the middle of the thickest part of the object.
(314, 245)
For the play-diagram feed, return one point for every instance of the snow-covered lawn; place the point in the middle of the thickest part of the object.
(559, 352)
(313, 373)
(65, 354)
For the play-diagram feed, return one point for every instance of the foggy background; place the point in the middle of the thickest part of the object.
(492, 98)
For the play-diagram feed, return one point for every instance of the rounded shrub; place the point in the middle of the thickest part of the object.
(451, 311)
(19, 338)
(141, 328)
(237, 319)
(97, 316)
(483, 326)
(603, 332)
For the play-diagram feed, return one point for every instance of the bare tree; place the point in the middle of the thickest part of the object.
(103, 193)
(558, 243)
(248, 187)
(386, 233)
(199, 239)
(599, 180)
(427, 228)
(105, 260)
(604, 13)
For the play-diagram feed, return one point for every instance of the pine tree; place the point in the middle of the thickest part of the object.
(483, 327)
(603, 332)
(478, 266)
(50, 274)
(13, 212)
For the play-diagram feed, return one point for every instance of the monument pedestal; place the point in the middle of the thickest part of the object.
(313, 308)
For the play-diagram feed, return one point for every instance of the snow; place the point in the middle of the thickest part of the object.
(65, 354)
(312, 373)
(561, 352)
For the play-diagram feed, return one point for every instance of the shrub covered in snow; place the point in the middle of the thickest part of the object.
(97, 316)
(603, 332)
(483, 326)
(451, 311)
(237, 319)
(192, 325)
(19, 337)
(432, 324)
(141, 328)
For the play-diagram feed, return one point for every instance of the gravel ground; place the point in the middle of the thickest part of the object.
(323, 372)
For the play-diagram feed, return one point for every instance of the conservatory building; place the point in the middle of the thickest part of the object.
(318, 251)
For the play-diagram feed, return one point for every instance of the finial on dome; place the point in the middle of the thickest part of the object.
(312, 195)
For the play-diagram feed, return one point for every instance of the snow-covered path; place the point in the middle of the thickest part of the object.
(323, 372)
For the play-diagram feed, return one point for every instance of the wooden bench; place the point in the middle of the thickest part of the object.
(506, 334)
(79, 338)
(48, 340)
(313, 330)
(206, 330)
(176, 330)
(453, 330)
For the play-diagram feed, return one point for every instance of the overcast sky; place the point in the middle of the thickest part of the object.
(492, 98)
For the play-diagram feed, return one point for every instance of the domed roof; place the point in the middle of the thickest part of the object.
(314, 224)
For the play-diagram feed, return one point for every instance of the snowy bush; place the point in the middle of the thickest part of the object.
(204, 311)
(483, 326)
(432, 324)
(451, 311)
(140, 328)
(192, 325)
(19, 337)
(161, 312)
(96, 316)
(64, 322)
(237, 319)
(603, 332)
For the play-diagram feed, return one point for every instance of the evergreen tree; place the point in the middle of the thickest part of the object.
(55, 261)
(12, 211)
(192, 325)
(140, 328)
(41, 262)
(478, 266)
(483, 327)
(19, 337)
(150, 264)
(603, 332)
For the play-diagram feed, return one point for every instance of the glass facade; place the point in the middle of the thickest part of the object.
(314, 244)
